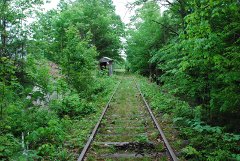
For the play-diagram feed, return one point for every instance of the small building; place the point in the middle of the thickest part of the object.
(106, 63)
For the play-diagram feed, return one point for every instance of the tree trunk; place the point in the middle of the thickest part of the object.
(4, 32)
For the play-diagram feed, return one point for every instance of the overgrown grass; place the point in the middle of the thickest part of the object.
(56, 130)
(204, 142)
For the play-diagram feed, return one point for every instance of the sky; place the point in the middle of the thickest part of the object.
(122, 10)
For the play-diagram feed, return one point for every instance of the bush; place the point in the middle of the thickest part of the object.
(72, 105)
(206, 142)
(43, 137)
(9, 146)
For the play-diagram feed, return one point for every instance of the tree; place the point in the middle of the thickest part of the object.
(145, 38)
(198, 58)
(96, 17)
(13, 27)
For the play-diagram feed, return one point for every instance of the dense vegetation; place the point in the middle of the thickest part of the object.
(192, 51)
(49, 83)
(195, 140)
(51, 92)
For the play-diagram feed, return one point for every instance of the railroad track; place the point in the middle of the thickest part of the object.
(127, 129)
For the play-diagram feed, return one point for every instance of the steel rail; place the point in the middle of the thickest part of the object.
(91, 137)
(169, 148)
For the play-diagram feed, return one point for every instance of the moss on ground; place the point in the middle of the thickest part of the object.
(127, 120)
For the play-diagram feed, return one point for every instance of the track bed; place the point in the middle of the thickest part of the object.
(126, 131)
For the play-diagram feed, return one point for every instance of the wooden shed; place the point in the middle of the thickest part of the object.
(106, 63)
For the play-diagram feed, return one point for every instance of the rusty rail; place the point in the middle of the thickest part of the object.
(169, 148)
(91, 137)
(166, 143)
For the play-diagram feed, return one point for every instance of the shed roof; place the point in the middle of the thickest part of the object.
(105, 59)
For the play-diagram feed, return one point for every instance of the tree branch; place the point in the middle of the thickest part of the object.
(169, 28)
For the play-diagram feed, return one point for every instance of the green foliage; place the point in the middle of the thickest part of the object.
(71, 105)
(142, 139)
(94, 21)
(9, 146)
(55, 129)
(195, 55)
(7, 82)
(78, 60)
(205, 142)
(7, 70)
(190, 151)
(142, 42)
(37, 71)
(50, 92)
(13, 29)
